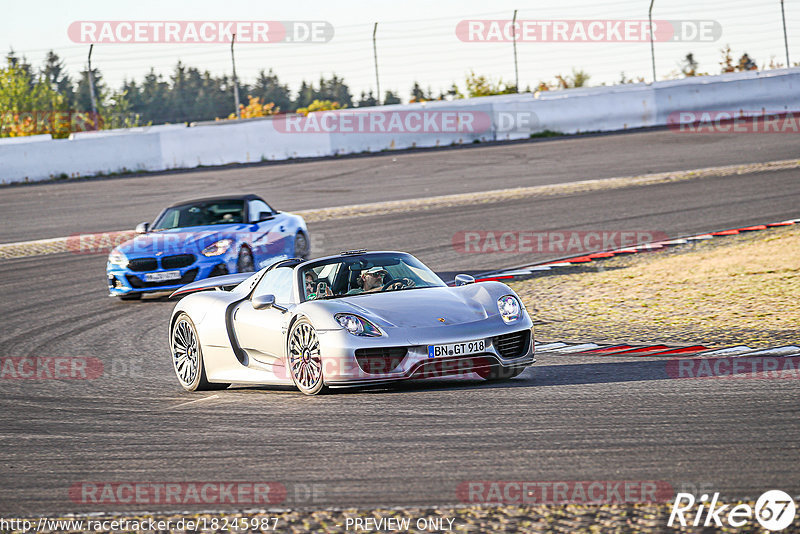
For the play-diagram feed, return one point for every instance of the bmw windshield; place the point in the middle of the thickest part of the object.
(201, 214)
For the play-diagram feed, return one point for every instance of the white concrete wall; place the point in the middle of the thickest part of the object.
(80, 157)
(508, 117)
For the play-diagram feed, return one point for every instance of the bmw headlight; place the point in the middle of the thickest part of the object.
(118, 258)
(218, 248)
(510, 308)
(358, 326)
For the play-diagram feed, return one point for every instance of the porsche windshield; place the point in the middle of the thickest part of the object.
(201, 214)
(366, 273)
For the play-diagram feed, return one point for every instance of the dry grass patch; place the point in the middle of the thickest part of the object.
(742, 289)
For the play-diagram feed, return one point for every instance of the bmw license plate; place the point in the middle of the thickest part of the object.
(456, 349)
(162, 276)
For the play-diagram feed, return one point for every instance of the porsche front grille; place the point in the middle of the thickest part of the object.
(512, 345)
(380, 360)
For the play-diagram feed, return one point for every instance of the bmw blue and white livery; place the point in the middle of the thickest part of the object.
(357, 318)
(204, 238)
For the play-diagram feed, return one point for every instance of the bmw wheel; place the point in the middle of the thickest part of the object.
(301, 247)
(187, 358)
(305, 361)
(244, 264)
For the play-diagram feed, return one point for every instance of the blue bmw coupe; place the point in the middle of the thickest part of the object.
(204, 238)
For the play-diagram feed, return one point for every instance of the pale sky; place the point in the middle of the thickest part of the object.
(416, 39)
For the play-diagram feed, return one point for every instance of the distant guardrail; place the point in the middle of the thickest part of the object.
(396, 127)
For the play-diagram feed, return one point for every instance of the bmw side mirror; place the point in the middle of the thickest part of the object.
(464, 279)
(142, 228)
(264, 216)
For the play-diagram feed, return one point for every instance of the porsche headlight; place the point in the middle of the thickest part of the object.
(358, 326)
(218, 248)
(510, 308)
(118, 258)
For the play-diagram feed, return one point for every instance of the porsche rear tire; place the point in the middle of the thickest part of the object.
(500, 373)
(187, 357)
(304, 358)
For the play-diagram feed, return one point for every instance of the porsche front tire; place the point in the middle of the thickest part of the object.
(304, 358)
(187, 357)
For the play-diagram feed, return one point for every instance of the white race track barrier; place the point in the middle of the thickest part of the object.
(499, 118)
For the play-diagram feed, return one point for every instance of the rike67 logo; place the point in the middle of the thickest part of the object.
(774, 510)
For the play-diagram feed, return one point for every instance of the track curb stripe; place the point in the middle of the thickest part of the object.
(562, 348)
(528, 270)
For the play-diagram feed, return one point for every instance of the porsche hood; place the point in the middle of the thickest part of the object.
(423, 307)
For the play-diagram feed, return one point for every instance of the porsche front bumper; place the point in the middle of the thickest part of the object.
(344, 355)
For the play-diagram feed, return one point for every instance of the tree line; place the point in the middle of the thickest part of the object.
(188, 94)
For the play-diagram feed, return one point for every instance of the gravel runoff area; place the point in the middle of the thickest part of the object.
(563, 518)
(740, 289)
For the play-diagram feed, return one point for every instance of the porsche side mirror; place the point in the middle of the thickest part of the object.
(262, 302)
(142, 228)
(464, 279)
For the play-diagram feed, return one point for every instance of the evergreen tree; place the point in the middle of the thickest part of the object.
(367, 100)
(269, 89)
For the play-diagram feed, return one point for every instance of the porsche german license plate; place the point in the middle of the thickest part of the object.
(456, 349)
(162, 276)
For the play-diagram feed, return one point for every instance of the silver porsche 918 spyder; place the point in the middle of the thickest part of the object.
(357, 318)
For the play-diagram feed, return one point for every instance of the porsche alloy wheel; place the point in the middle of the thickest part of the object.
(305, 361)
(187, 358)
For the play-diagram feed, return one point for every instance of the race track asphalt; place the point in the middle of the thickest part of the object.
(568, 418)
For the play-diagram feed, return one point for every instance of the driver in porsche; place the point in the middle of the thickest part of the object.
(371, 280)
